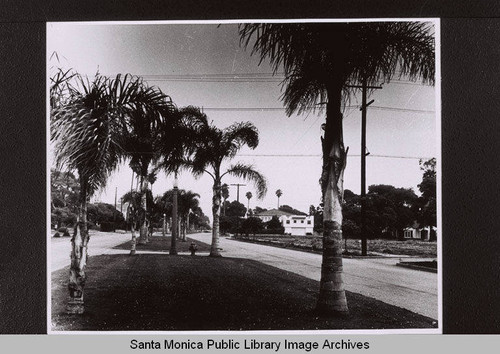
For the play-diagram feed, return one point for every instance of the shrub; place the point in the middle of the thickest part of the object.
(252, 225)
(107, 226)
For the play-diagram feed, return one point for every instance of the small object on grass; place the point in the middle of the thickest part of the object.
(193, 248)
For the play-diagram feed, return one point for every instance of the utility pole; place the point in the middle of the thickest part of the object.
(175, 226)
(363, 109)
(238, 190)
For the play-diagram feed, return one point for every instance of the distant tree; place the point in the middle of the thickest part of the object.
(64, 194)
(279, 193)
(231, 224)
(274, 223)
(249, 196)
(101, 213)
(317, 213)
(251, 225)
(427, 202)
(235, 208)
(396, 207)
(199, 219)
(64, 189)
(258, 210)
(289, 209)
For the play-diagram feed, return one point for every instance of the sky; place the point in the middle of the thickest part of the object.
(195, 64)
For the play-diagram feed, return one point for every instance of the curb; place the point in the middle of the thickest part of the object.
(416, 267)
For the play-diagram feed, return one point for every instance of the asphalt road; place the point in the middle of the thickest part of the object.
(379, 278)
(99, 243)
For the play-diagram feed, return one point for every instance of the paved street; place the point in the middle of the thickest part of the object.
(379, 278)
(100, 243)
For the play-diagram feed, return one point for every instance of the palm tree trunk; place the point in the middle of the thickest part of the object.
(134, 239)
(216, 201)
(143, 231)
(184, 228)
(332, 299)
(79, 244)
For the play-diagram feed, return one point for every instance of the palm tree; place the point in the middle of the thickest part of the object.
(321, 63)
(175, 143)
(86, 127)
(136, 214)
(279, 193)
(215, 146)
(144, 124)
(249, 196)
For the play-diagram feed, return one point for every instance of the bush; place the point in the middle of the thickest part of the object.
(107, 226)
(252, 225)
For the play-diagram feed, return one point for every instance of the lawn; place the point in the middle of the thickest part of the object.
(162, 244)
(375, 247)
(162, 292)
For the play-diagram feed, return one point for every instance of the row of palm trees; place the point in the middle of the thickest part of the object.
(98, 123)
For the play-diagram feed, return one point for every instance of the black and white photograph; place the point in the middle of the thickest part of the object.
(277, 175)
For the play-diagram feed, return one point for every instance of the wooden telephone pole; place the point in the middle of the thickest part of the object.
(238, 190)
(364, 105)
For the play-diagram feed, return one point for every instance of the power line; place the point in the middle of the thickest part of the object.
(257, 109)
(349, 155)
(241, 77)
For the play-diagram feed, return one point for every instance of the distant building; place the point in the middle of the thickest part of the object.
(299, 225)
(419, 233)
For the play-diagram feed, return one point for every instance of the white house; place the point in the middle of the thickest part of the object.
(299, 225)
(417, 232)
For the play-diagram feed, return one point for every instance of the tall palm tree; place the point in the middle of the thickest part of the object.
(215, 146)
(279, 193)
(249, 196)
(175, 143)
(87, 128)
(144, 124)
(321, 63)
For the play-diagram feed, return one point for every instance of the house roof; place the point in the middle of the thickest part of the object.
(273, 212)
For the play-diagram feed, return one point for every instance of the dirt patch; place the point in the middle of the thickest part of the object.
(161, 292)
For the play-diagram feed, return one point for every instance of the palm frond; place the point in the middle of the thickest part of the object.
(315, 55)
(237, 135)
(248, 173)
